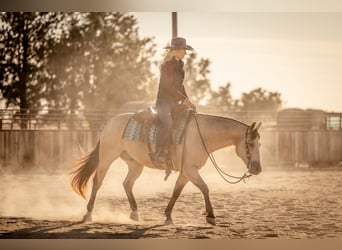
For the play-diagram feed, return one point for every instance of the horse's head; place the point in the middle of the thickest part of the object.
(248, 149)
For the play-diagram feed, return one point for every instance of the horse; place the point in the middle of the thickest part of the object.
(204, 134)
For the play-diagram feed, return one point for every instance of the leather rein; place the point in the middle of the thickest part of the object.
(222, 173)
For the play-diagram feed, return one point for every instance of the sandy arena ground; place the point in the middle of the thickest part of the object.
(286, 203)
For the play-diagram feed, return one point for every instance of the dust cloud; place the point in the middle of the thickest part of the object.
(45, 194)
(278, 203)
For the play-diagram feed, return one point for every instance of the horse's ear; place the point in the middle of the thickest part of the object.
(252, 127)
(259, 125)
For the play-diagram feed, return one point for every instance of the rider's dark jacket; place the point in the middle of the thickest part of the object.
(171, 88)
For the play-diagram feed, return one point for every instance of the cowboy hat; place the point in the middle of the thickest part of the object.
(179, 43)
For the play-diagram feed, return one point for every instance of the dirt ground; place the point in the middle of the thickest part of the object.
(280, 203)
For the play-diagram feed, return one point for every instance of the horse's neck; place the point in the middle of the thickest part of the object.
(219, 132)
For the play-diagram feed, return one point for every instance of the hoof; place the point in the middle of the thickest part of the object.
(168, 222)
(134, 216)
(211, 220)
(87, 218)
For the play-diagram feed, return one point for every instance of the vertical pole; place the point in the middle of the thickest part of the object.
(174, 24)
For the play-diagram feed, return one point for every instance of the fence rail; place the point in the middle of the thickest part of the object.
(53, 137)
(55, 148)
(62, 119)
(46, 148)
(54, 119)
(315, 147)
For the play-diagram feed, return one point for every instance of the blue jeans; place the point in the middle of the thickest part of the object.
(164, 113)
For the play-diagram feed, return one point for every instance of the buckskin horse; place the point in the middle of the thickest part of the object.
(204, 135)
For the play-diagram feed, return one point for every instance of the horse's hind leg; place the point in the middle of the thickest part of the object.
(134, 171)
(110, 148)
(97, 182)
(180, 183)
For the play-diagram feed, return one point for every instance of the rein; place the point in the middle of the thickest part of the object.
(218, 169)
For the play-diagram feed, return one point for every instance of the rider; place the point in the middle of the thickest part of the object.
(171, 91)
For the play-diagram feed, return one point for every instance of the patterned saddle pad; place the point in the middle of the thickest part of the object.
(144, 125)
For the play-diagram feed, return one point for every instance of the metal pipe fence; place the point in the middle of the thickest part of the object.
(95, 119)
(54, 119)
(62, 119)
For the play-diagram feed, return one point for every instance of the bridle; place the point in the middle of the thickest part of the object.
(248, 152)
(218, 169)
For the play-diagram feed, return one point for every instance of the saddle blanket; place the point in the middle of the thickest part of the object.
(134, 130)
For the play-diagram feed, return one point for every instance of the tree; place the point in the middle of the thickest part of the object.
(24, 47)
(100, 62)
(222, 99)
(260, 100)
(196, 77)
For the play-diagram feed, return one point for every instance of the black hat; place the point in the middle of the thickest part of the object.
(179, 43)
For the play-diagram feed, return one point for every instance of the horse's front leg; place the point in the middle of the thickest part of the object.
(196, 179)
(180, 183)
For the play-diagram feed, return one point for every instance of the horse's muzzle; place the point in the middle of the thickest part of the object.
(255, 168)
